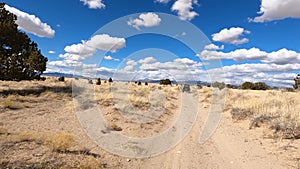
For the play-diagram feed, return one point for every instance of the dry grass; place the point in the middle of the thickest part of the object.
(3, 131)
(55, 142)
(90, 163)
(60, 142)
(25, 94)
(277, 110)
(113, 126)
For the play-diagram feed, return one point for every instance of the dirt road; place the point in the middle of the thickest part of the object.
(231, 146)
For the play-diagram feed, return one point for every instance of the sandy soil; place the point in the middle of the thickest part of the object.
(232, 145)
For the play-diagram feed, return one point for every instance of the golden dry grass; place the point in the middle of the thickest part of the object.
(55, 142)
(278, 110)
(60, 142)
(90, 163)
(3, 130)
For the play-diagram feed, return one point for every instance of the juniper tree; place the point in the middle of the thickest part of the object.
(20, 58)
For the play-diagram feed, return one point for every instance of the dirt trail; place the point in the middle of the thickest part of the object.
(230, 147)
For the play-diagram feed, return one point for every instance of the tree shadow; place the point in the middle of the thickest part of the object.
(81, 152)
(37, 91)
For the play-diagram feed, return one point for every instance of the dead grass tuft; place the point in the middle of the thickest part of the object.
(60, 142)
(3, 131)
(240, 114)
(114, 126)
(90, 163)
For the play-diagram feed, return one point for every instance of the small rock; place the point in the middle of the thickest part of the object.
(37, 155)
(128, 160)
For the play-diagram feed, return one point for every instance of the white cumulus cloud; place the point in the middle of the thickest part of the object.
(130, 65)
(93, 4)
(283, 56)
(111, 58)
(231, 35)
(184, 9)
(81, 49)
(106, 42)
(237, 55)
(51, 52)
(162, 1)
(213, 47)
(271, 10)
(280, 57)
(145, 20)
(31, 23)
(147, 60)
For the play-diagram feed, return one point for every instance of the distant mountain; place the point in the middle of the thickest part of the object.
(57, 74)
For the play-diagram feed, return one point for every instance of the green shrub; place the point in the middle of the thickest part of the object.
(61, 79)
(228, 86)
(98, 82)
(165, 82)
(110, 80)
(220, 85)
(255, 86)
(261, 86)
(247, 85)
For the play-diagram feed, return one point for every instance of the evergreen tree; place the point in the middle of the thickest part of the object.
(20, 58)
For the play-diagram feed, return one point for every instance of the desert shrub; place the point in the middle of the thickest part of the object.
(3, 131)
(41, 78)
(165, 82)
(247, 85)
(261, 120)
(286, 130)
(240, 114)
(255, 86)
(146, 83)
(139, 83)
(199, 86)
(89, 163)
(261, 86)
(7, 104)
(105, 81)
(61, 79)
(90, 81)
(228, 86)
(110, 80)
(98, 82)
(297, 82)
(60, 142)
(220, 85)
(76, 78)
(289, 90)
(114, 126)
(11, 104)
(135, 82)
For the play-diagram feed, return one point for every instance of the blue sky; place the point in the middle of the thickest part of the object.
(207, 40)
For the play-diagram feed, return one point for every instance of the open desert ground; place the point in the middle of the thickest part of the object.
(39, 126)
